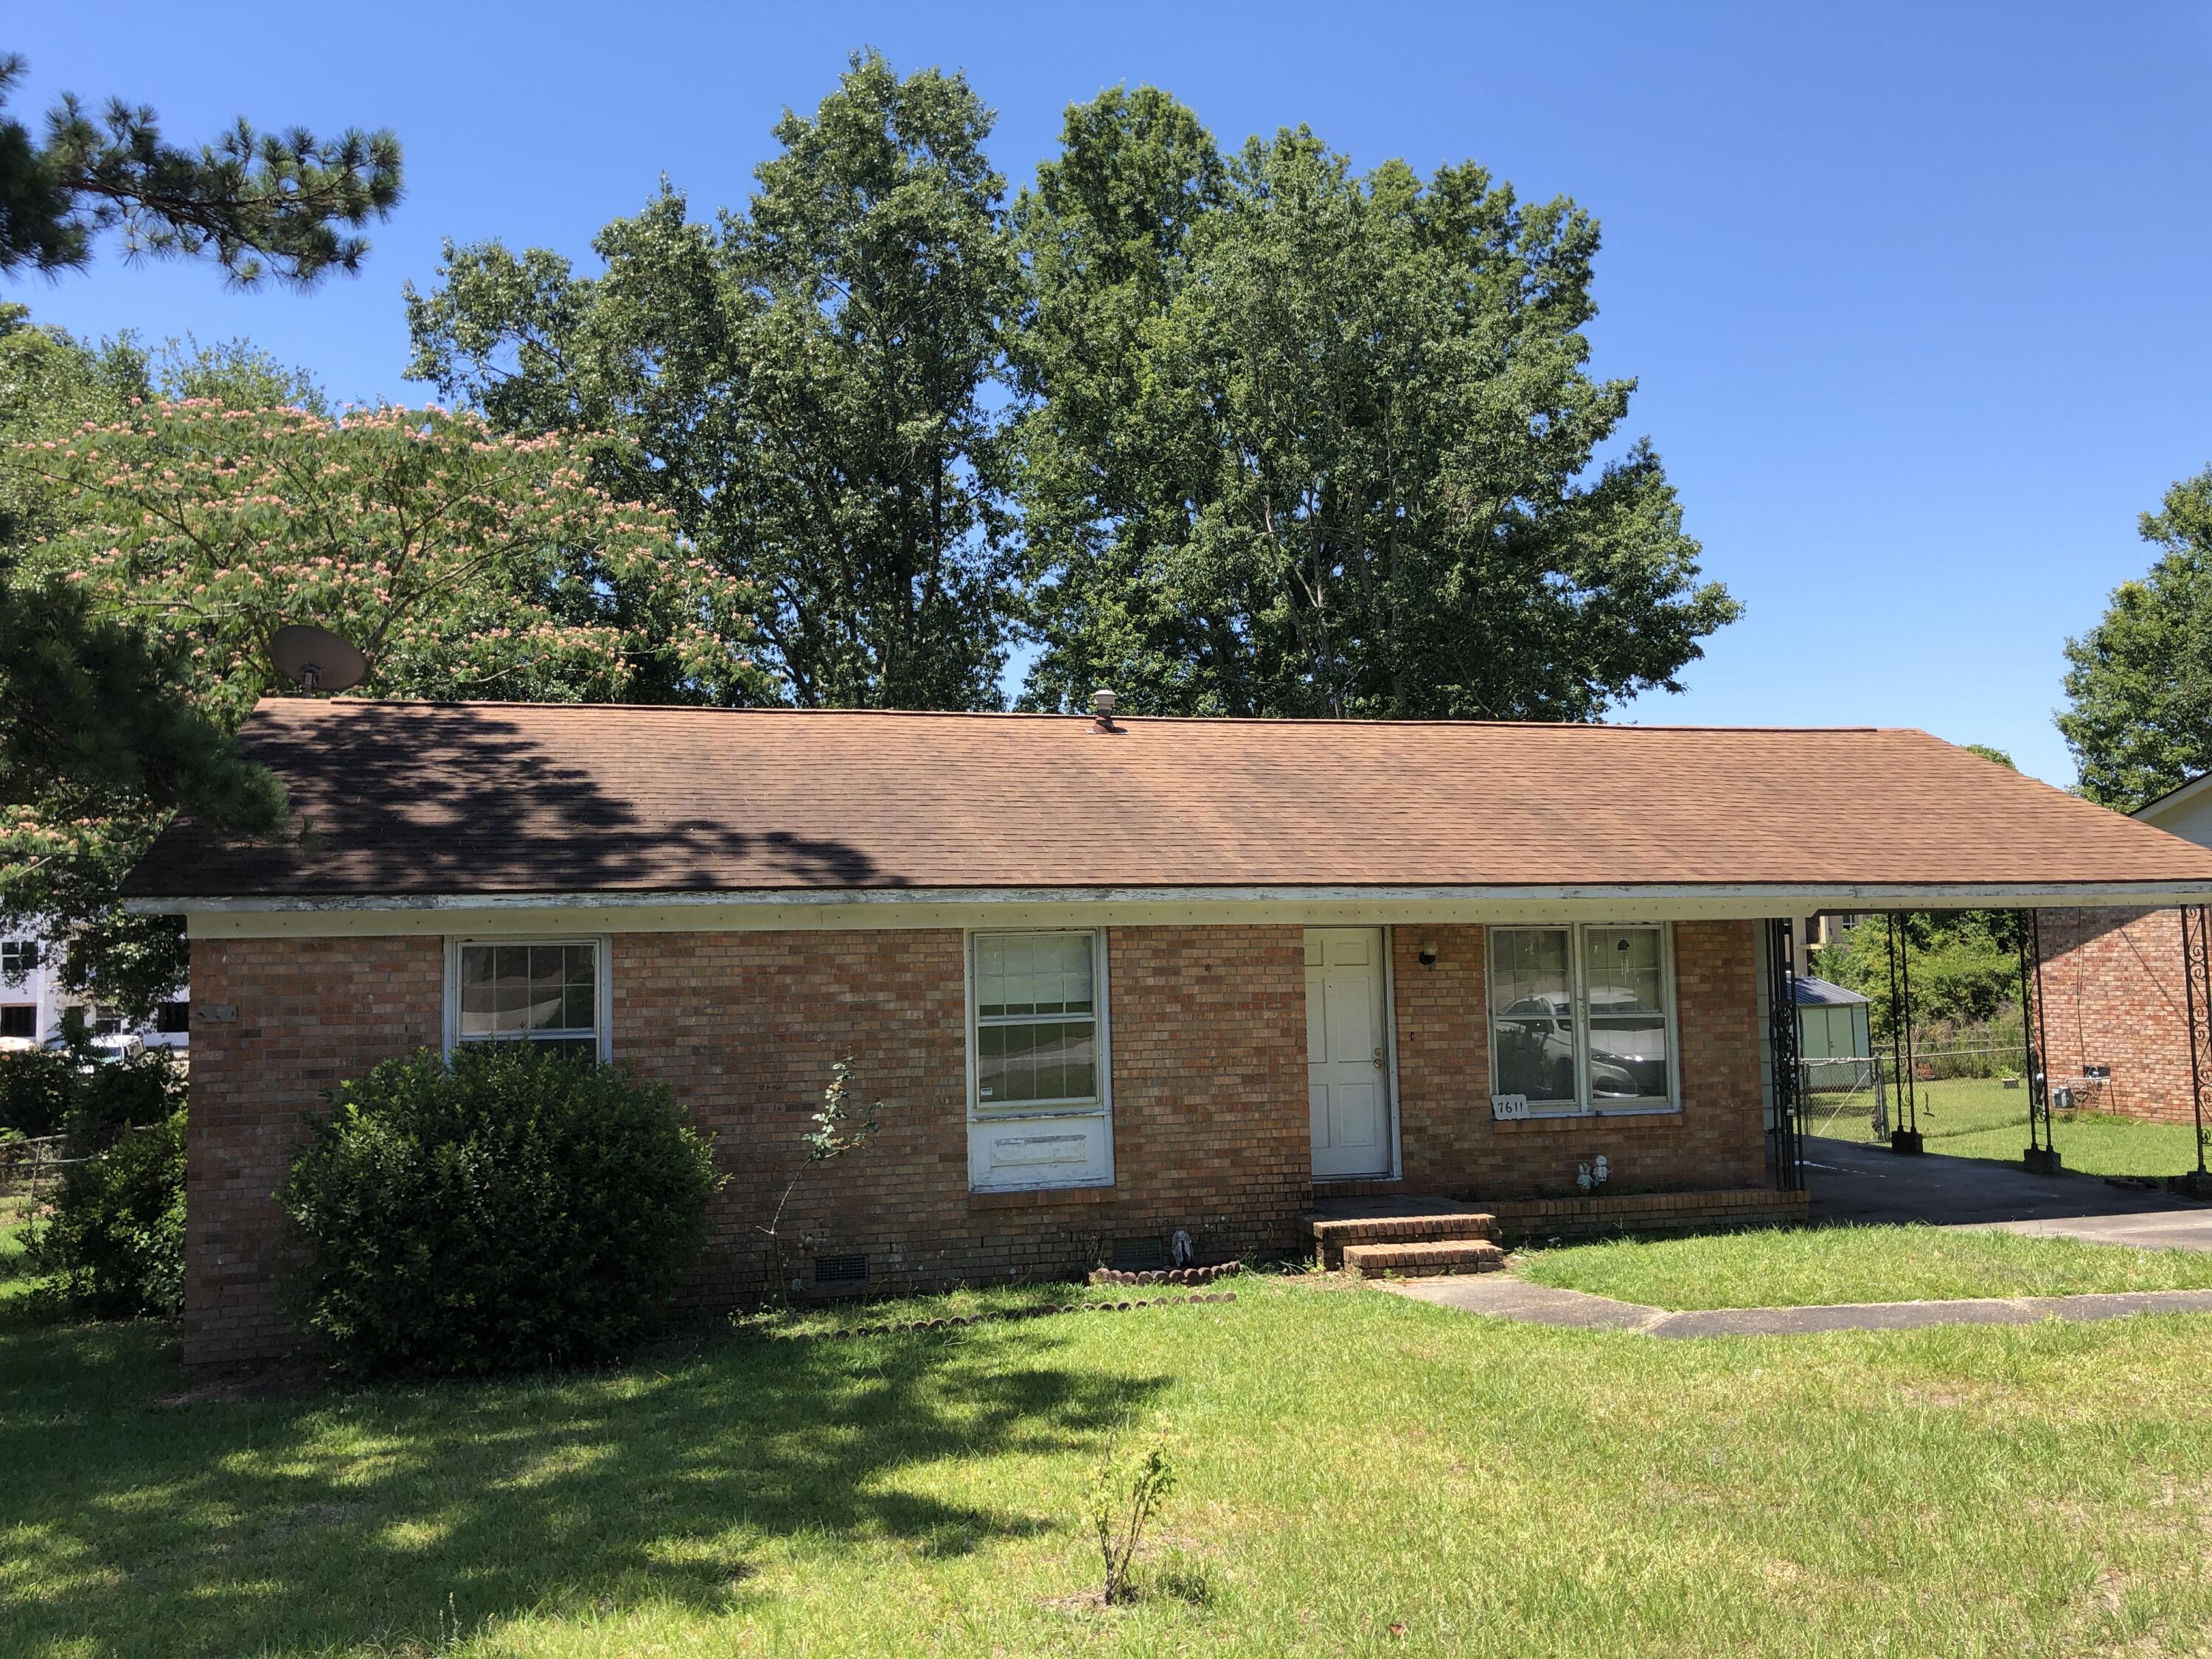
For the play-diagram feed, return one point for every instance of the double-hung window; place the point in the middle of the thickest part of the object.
(549, 992)
(1038, 1090)
(18, 958)
(1582, 1019)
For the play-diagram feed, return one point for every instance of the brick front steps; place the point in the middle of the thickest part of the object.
(1417, 1237)
(1408, 1243)
(1426, 1260)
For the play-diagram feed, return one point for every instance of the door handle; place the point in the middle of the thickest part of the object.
(1378, 1057)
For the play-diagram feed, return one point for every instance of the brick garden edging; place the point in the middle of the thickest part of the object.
(902, 1327)
(1165, 1275)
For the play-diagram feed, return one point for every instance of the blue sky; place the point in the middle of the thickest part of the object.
(1916, 295)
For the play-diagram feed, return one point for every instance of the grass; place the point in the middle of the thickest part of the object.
(1355, 1465)
(1797, 1267)
(14, 1278)
(1970, 1117)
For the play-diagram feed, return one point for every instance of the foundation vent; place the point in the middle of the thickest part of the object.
(1139, 1255)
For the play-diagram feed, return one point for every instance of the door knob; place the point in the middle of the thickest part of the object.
(1378, 1055)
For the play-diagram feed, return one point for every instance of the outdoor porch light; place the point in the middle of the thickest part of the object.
(1428, 953)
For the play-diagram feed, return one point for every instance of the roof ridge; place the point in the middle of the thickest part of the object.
(1366, 723)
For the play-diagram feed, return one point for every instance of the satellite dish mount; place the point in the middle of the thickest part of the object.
(316, 659)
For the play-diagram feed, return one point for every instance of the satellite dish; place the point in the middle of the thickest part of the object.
(316, 659)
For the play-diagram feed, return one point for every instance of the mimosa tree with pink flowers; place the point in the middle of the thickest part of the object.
(464, 563)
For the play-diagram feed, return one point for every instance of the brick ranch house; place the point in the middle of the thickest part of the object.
(2117, 994)
(1112, 980)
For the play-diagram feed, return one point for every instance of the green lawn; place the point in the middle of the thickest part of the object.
(1355, 1465)
(1797, 1268)
(1971, 1118)
(15, 1281)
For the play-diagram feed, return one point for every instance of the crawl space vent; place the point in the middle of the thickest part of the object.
(840, 1270)
(1139, 1255)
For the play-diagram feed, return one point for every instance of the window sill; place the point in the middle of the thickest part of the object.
(1033, 1198)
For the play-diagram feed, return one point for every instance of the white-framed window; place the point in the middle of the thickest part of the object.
(549, 991)
(19, 959)
(1582, 1017)
(1039, 1073)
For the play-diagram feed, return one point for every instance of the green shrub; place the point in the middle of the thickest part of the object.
(128, 1094)
(516, 1208)
(36, 1086)
(45, 1093)
(112, 1242)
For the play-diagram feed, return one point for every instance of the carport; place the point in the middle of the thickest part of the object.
(1901, 1181)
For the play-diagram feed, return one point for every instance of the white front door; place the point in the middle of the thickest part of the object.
(1347, 1055)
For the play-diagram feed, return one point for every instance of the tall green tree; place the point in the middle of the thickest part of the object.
(97, 744)
(251, 202)
(465, 563)
(813, 387)
(1305, 442)
(100, 750)
(2139, 684)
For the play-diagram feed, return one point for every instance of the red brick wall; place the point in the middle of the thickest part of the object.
(746, 1027)
(1452, 1144)
(308, 1014)
(2114, 996)
(1210, 1104)
(1209, 1099)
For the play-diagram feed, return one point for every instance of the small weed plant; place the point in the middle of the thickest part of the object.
(1133, 1481)
(830, 1140)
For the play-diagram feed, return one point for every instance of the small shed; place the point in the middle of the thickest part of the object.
(1835, 1035)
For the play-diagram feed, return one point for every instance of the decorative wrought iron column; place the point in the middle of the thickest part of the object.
(1786, 1140)
(1904, 1130)
(2197, 985)
(2041, 1157)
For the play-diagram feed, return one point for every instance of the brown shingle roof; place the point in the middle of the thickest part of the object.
(421, 799)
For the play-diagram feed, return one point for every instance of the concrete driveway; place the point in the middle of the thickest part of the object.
(1852, 1181)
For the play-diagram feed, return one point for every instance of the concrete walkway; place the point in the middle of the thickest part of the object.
(1541, 1304)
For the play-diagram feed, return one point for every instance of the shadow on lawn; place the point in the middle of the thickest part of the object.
(350, 1518)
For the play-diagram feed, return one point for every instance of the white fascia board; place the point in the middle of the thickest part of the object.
(841, 908)
(2156, 811)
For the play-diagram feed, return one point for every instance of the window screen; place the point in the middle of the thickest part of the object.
(1625, 987)
(1532, 1014)
(530, 993)
(1037, 1021)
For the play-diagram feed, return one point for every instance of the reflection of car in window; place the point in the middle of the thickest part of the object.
(1536, 1047)
(1628, 1046)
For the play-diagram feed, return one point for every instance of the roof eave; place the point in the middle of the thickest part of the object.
(1753, 898)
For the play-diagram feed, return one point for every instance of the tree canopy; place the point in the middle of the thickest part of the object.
(250, 200)
(464, 563)
(1301, 441)
(2139, 684)
(1244, 434)
(808, 384)
(172, 538)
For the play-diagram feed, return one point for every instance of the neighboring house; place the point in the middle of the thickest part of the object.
(33, 1002)
(1110, 981)
(2116, 1016)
